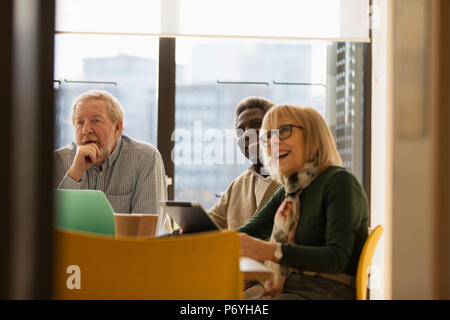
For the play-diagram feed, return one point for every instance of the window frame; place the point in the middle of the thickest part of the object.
(166, 108)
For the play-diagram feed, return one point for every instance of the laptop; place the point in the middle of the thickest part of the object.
(83, 210)
(190, 216)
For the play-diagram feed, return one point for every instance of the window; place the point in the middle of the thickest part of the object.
(125, 66)
(118, 51)
(213, 75)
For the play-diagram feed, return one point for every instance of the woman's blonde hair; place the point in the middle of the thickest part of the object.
(319, 143)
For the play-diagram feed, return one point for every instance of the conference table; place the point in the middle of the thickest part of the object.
(254, 270)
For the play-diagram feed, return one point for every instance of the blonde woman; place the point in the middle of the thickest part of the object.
(312, 230)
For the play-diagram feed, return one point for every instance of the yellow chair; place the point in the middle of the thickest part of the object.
(365, 261)
(198, 267)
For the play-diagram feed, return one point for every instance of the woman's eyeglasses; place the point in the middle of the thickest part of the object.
(282, 132)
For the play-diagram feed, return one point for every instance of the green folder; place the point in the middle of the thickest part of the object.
(84, 210)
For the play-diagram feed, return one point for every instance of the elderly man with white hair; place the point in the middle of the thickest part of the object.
(130, 173)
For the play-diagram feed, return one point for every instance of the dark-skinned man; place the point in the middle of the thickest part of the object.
(249, 192)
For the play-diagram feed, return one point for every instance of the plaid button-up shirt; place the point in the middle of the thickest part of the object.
(132, 177)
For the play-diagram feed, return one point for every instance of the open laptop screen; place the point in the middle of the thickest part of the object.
(83, 210)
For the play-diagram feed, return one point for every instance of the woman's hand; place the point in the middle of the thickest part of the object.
(256, 249)
(177, 231)
(272, 288)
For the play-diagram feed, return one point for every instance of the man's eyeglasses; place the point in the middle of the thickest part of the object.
(282, 132)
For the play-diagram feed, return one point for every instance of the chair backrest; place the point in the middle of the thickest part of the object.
(84, 210)
(365, 261)
(197, 267)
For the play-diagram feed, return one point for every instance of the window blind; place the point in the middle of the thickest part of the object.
(336, 20)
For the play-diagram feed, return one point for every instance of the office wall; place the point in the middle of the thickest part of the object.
(412, 221)
(381, 154)
(440, 82)
(30, 150)
(5, 133)
(410, 149)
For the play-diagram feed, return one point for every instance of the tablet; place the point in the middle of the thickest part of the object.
(190, 216)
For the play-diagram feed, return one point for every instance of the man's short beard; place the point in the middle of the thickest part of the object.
(102, 152)
(106, 148)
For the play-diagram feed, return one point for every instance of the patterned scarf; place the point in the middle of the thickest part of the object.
(287, 217)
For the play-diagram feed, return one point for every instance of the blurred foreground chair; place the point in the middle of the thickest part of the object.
(365, 261)
(198, 267)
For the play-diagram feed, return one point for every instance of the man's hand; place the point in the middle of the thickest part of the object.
(84, 159)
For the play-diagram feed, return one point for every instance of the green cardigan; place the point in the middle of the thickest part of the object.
(333, 225)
